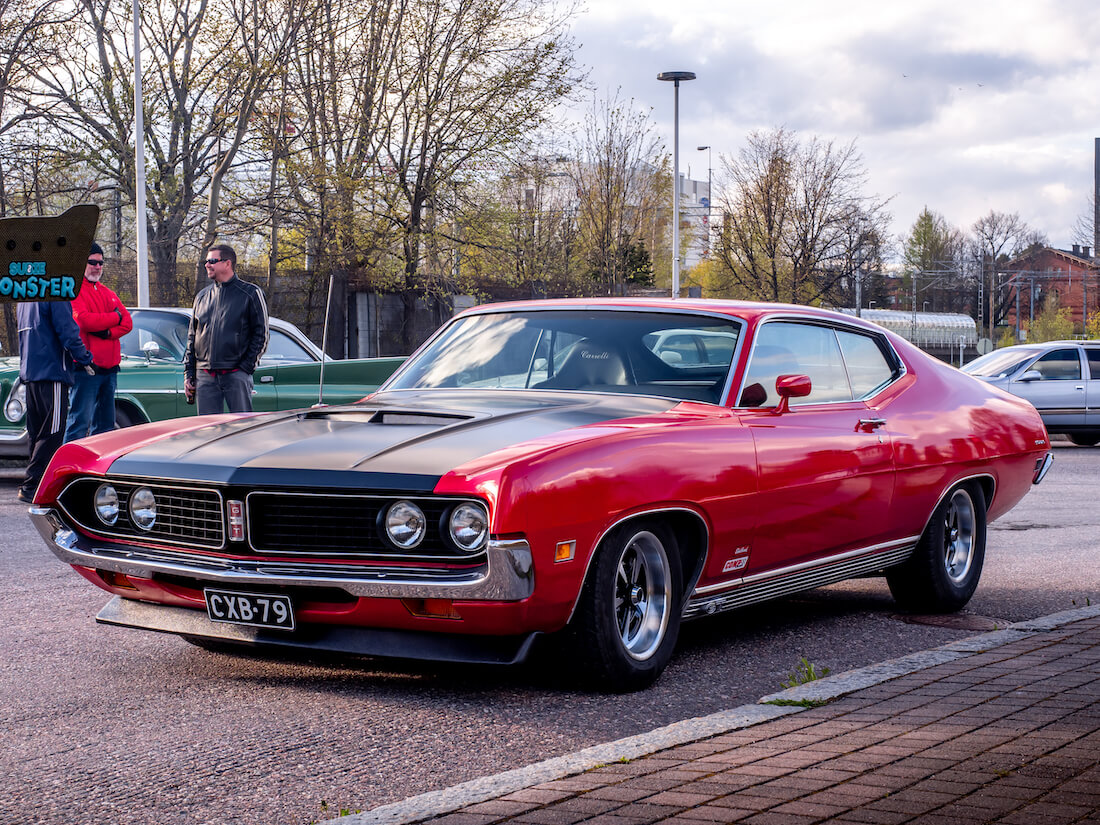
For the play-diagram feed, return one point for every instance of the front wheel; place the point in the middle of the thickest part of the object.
(628, 616)
(943, 572)
(125, 418)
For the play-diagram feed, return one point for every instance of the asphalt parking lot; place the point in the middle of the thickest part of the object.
(105, 725)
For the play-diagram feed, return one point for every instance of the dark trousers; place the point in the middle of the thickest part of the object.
(234, 389)
(47, 408)
(91, 404)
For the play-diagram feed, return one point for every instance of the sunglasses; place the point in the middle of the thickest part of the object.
(212, 261)
(94, 263)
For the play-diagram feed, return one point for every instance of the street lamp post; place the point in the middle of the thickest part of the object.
(676, 77)
(139, 168)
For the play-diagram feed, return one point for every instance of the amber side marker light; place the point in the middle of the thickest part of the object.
(431, 608)
(117, 579)
(564, 551)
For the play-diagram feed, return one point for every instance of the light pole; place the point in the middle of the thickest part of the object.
(139, 168)
(710, 197)
(676, 77)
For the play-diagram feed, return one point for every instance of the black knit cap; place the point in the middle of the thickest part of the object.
(96, 249)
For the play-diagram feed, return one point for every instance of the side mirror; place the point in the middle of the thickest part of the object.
(1031, 375)
(151, 350)
(788, 387)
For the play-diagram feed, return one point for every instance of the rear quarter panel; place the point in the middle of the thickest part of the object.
(948, 426)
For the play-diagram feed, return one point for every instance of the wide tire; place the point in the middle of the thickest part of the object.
(1085, 439)
(943, 572)
(628, 618)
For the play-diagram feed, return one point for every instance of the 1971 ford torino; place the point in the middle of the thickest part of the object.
(598, 469)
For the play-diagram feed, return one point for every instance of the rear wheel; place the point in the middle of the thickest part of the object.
(943, 572)
(628, 617)
(1085, 439)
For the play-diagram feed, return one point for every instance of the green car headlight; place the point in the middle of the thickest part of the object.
(16, 405)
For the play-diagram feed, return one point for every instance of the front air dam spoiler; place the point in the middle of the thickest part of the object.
(358, 641)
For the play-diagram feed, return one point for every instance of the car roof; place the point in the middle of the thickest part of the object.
(751, 311)
(185, 312)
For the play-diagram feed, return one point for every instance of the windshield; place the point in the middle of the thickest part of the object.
(1000, 363)
(670, 355)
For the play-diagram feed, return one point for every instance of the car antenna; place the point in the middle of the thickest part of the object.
(324, 346)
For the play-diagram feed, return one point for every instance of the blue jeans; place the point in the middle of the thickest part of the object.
(91, 404)
(234, 389)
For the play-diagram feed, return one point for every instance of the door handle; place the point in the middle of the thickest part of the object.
(267, 379)
(868, 425)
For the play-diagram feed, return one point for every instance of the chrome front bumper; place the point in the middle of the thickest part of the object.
(1041, 467)
(14, 443)
(508, 574)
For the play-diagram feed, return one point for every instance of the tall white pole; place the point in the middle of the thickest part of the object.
(676, 77)
(139, 169)
(676, 190)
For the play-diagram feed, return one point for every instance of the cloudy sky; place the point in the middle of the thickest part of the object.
(965, 106)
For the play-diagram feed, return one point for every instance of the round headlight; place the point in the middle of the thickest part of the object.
(106, 504)
(16, 405)
(469, 527)
(405, 524)
(143, 508)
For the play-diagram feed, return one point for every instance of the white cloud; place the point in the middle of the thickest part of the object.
(961, 106)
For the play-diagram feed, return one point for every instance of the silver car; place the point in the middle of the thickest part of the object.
(1061, 378)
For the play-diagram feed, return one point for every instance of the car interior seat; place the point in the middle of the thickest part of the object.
(589, 364)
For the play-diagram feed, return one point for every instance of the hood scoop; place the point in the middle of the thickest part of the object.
(386, 417)
(419, 419)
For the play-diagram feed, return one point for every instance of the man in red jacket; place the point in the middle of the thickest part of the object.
(102, 320)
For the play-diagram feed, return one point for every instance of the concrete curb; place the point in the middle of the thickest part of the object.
(436, 803)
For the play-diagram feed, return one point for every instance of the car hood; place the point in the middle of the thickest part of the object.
(399, 440)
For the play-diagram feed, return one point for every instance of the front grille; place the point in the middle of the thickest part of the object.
(341, 525)
(185, 515)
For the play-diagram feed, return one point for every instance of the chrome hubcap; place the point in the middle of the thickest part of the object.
(958, 536)
(643, 595)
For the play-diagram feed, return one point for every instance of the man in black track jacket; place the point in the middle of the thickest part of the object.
(227, 336)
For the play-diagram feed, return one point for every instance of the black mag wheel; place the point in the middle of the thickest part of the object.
(628, 617)
(943, 572)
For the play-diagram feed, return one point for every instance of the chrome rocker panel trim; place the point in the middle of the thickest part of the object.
(762, 587)
(507, 576)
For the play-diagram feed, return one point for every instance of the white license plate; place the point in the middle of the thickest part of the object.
(255, 609)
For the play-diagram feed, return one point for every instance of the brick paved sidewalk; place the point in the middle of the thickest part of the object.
(1008, 734)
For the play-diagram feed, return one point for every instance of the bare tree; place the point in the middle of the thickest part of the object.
(789, 215)
(998, 237)
(265, 31)
(204, 68)
(619, 174)
(475, 77)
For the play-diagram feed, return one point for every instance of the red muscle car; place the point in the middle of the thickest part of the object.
(599, 469)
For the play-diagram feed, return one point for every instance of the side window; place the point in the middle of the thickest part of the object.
(282, 349)
(1059, 365)
(679, 349)
(1093, 354)
(867, 366)
(787, 348)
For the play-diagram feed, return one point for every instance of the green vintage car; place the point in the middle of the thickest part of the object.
(150, 382)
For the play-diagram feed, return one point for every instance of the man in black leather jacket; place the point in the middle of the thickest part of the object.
(227, 336)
